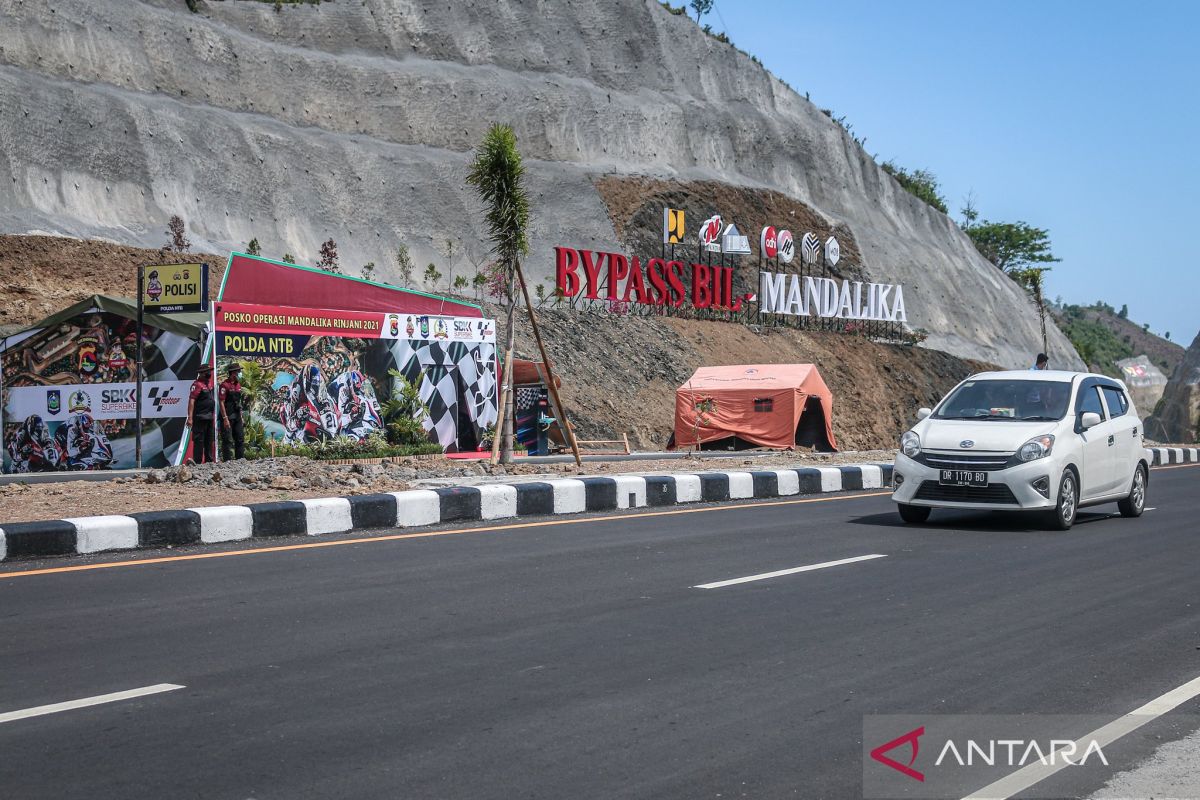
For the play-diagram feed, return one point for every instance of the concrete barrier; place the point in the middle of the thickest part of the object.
(423, 507)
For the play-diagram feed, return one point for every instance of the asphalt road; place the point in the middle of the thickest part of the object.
(575, 658)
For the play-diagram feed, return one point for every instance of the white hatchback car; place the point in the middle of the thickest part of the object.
(1025, 441)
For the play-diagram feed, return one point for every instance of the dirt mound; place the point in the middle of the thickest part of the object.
(620, 373)
(44, 274)
(635, 207)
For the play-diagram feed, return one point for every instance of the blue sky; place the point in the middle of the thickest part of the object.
(1080, 117)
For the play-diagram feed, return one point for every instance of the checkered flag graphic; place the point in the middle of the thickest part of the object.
(446, 373)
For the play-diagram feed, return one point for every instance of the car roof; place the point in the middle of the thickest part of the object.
(1030, 375)
(1064, 376)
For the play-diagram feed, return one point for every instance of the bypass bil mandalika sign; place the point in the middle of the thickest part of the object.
(617, 278)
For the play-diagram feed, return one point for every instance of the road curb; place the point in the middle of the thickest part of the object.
(423, 507)
(1174, 455)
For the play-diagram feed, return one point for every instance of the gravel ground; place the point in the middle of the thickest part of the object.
(243, 482)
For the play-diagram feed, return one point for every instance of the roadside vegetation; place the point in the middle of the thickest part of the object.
(920, 183)
(1098, 346)
(1102, 335)
(345, 447)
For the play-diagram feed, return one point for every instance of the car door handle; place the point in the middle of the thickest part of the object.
(1111, 440)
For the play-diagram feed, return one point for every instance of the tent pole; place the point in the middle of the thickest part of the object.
(549, 369)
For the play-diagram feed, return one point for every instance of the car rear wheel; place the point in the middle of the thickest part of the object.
(1063, 516)
(1135, 504)
(913, 513)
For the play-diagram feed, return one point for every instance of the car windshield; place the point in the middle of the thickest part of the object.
(1016, 400)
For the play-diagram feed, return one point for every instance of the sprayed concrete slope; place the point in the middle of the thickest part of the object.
(356, 120)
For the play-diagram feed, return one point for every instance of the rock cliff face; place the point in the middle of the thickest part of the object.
(1176, 418)
(356, 120)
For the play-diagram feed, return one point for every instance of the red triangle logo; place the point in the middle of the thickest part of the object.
(909, 738)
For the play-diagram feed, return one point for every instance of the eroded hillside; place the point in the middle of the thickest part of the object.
(355, 120)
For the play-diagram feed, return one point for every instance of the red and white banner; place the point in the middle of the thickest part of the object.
(247, 318)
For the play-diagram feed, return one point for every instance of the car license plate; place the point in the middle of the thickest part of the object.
(963, 477)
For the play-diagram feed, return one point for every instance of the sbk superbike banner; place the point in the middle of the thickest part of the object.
(104, 401)
(69, 388)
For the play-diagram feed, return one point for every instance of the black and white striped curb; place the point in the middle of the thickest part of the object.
(421, 507)
(1174, 455)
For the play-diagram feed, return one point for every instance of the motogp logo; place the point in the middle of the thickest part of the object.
(162, 397)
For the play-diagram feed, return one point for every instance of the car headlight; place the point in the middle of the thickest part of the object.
(1035, 448)
(910, 444)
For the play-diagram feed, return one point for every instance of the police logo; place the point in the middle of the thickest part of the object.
(79, 401)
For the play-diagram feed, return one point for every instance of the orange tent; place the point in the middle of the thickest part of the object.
(759, 404)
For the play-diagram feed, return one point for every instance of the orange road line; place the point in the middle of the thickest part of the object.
(421, 535)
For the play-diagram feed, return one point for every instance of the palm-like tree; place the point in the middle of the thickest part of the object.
(497, 174)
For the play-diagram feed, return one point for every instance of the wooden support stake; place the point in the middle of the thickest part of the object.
(504, 394)
(549, 367)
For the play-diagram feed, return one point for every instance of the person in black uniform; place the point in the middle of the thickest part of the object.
(233, 433)
(201, 407)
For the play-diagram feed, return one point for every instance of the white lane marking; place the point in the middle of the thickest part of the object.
(792, 571)
(1105, 735)
(84, 702)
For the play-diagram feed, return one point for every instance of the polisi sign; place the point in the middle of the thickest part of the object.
(171, 288)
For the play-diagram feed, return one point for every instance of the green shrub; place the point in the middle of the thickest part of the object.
(1095, 343)
(345, 447)
(404, 413)
(921, 183)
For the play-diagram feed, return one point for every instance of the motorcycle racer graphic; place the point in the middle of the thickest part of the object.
(84, 443)
(33, 449)
(309, 413)
(358, 408)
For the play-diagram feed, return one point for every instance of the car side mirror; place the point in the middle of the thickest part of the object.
(1089, 419)
(922, 413)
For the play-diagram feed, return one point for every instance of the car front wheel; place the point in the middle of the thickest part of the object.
(914, 514)
(1063, 516)
(1135, 504)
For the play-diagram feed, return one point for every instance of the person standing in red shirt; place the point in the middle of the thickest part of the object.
(201, 407)
(233, 434)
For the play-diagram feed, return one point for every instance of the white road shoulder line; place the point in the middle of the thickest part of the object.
(84, 702)
(1105, 735)
(792, 571)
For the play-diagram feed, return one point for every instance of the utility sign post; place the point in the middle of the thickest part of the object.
(164, 289)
